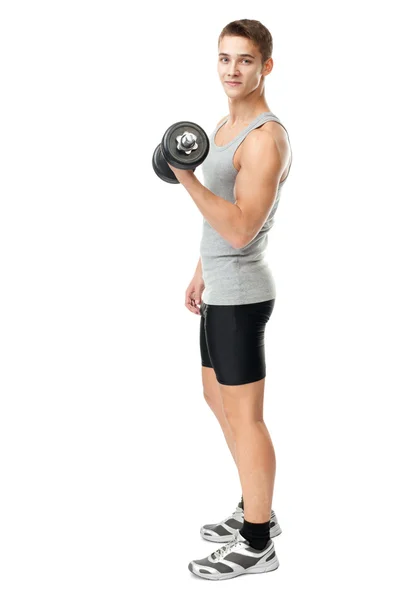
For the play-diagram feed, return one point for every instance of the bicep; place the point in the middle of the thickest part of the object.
(256, 183)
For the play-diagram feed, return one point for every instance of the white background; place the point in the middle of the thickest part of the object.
(111, 460)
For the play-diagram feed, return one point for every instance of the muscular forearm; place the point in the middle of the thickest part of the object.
(224, 217)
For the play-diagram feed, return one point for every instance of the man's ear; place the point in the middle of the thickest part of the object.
(268, 66)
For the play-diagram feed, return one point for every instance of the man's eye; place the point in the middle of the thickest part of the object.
(245, 59)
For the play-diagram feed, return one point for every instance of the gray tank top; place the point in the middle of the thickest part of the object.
(234, 276)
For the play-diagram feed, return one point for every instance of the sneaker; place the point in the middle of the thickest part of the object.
(235, 558)
(225, 530)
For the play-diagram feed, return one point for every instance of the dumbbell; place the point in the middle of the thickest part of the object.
(185, 145)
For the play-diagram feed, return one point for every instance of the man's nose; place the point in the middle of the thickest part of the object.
(233, 69)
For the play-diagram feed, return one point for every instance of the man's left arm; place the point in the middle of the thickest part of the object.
(255, 191)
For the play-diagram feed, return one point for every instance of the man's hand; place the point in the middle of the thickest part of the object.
(181, 174)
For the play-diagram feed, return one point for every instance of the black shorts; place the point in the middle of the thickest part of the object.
(232, 340)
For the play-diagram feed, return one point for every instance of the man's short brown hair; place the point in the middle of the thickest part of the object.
(254, 31)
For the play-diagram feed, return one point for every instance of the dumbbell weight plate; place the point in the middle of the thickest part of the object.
(179, 158)
(161, 167)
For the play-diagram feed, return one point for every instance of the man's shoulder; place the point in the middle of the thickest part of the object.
(275, 129)
(269, 134)
(264, 143)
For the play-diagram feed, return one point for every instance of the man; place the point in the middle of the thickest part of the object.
(248, 161)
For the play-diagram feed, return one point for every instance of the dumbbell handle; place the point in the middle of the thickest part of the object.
(185, 145)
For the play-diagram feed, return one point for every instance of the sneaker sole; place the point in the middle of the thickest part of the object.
(250, 571)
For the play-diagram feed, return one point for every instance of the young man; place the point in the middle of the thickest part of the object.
(248, 162)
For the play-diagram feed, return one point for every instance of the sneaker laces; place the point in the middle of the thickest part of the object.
(237, 513)
(227, 547)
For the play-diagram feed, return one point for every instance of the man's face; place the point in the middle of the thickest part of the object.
(239, 60)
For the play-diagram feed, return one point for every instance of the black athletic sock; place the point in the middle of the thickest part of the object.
(257, 534)
(241, 504)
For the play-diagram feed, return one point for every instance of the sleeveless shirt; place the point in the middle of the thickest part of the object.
(231, 275)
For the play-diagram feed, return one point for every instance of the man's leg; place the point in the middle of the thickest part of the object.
(213, 397)
(255, 456)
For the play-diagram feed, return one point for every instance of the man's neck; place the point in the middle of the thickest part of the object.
(238, 115)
